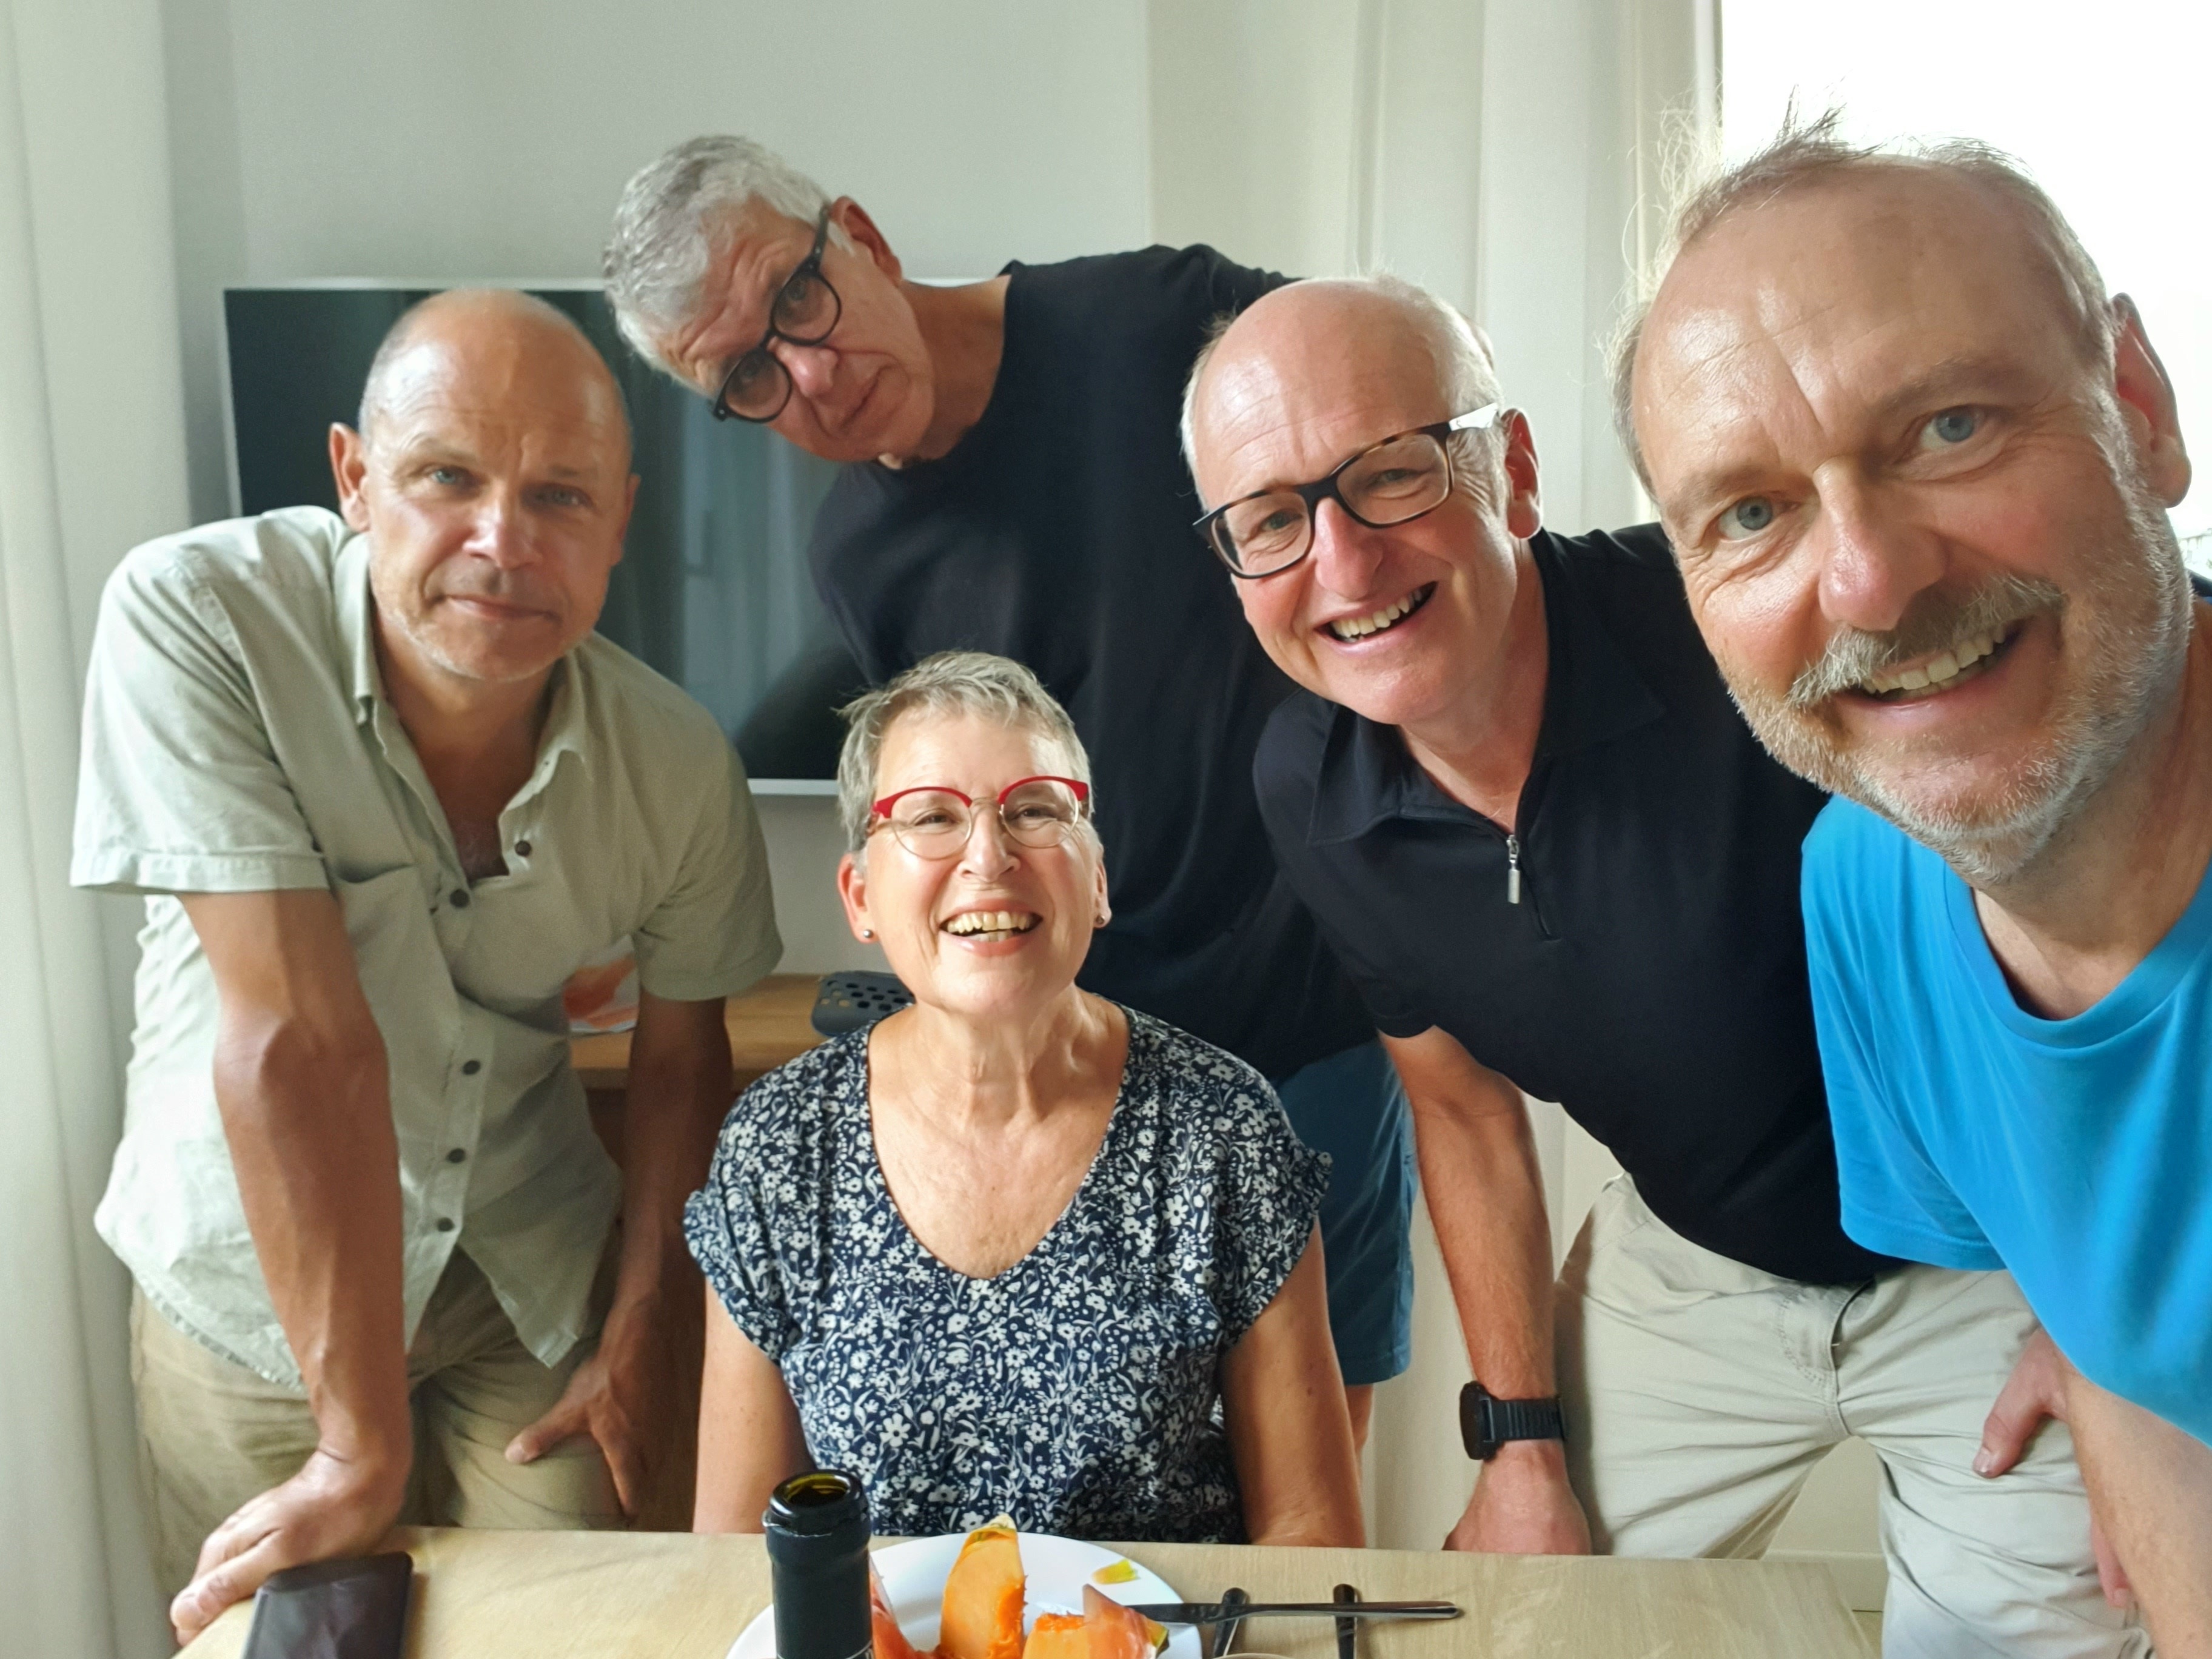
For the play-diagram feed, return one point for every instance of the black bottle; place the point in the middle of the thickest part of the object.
(817, 1552)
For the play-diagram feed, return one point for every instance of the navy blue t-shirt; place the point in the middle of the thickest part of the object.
(1057, 532)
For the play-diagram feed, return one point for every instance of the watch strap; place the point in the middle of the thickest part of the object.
(1487, 1422)
(1527, 1419)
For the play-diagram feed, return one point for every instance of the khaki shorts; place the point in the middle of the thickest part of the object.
(212, 1434)
(1699, 1394)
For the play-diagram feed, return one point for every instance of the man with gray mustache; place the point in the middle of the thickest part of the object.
(1915, 466)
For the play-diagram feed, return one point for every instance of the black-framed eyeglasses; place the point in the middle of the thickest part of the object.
(805, 313)
(1399, 479)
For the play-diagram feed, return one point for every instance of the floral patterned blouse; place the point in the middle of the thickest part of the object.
(1077, 1391)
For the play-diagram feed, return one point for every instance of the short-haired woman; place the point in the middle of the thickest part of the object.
(1015, 1248)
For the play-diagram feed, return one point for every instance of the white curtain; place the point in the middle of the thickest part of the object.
(1506, 154)
(91, 460)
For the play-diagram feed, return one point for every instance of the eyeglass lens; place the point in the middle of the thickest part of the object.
(805, 313)
(936, 824)
(1393, 482)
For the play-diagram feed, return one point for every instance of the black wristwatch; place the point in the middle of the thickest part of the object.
(1485, 1422)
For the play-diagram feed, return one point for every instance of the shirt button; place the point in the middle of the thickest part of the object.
(460, 899)
(458, 1155)
(471, 1067)
(522, 849)
(445, 1224)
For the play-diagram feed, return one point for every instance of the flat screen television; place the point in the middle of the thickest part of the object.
(712, 590)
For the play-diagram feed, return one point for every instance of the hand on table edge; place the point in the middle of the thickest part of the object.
(339, 1503)
(1523, 1505)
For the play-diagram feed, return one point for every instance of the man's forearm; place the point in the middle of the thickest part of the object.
(680, 1086)
(1486, 1195)
(2151, 1485)
(308, 1120)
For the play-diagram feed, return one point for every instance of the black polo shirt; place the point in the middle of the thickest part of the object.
(1652, 977)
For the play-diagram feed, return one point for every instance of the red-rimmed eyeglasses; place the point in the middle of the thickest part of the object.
(934, 821)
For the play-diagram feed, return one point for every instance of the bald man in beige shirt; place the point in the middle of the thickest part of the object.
(385, 791)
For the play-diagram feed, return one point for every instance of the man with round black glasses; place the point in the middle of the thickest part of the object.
(1014, 486)
(1555, 859)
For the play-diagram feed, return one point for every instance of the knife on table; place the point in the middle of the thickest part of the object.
(1211, 1613)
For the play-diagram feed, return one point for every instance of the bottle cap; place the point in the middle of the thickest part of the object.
(820, 1501)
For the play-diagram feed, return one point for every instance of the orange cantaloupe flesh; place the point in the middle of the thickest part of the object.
(890, 1641)
(1115, 1631)
(1058, 1636)
(983, 1598)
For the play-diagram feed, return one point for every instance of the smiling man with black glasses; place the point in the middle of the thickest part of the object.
(1015, 487)
(1554, 858)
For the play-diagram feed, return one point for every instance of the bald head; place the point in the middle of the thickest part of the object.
(1369, 337)
(491, 476)
(493, 345)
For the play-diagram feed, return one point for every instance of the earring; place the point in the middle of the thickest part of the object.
(868, 932)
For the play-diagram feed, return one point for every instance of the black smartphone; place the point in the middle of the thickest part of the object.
(352, 1608)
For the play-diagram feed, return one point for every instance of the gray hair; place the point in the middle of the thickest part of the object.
(674, 216)
(1464, 374)
(1805, 154)
(950, 682)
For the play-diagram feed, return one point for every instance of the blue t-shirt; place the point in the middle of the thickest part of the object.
(1971, 1134)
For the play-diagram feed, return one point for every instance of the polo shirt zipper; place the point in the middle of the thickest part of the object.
(1512, 868)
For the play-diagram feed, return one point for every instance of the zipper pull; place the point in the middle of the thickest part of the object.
(1512, 868)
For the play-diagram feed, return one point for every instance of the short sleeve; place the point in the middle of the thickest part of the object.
(727, 1226)
(1894, 1200)
(713, 932)
(179, 786)
(1268, 1193)
(1395, 1013)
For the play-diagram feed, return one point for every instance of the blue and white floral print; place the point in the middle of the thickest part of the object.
(1079, 1390)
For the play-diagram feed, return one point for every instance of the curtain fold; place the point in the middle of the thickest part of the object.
(91, 440)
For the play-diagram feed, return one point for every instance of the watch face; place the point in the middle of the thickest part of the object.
(1474, 1423)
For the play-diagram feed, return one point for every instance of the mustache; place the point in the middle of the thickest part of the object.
(1937, 622)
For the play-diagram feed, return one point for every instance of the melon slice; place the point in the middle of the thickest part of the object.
(1058, 1636)
(983, 1597)
(1117, 1631)
(890, 1641)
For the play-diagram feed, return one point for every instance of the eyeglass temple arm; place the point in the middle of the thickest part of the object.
(1474, 420)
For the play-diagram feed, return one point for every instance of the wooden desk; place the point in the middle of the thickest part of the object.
(767, 1025)
(672, 1595)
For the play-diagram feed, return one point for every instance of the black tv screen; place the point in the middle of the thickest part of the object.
(713, 589)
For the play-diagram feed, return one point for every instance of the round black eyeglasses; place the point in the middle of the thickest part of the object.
(805, 313)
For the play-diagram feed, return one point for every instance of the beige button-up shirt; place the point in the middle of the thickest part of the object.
(236, 739)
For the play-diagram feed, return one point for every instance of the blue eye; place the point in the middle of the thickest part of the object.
(1953, 426)
(1747, 518)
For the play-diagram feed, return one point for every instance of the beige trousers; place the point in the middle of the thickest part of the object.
(1699, 1394)
(213, 1434)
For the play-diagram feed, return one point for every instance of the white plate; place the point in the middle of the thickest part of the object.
(1057, 1569)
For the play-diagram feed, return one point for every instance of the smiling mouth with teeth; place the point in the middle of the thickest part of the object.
(1359, 628)
(1941, 672)
(990, 925)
